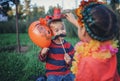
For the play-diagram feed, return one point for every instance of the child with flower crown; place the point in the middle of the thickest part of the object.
(59, 55)
(95, 57)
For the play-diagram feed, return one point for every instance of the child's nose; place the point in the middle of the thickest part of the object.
(61, 31)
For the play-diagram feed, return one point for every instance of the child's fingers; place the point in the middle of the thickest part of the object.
(67, 55)
(44, 50)
(67, 58)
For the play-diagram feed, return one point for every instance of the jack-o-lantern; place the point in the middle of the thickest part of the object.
(40, 34)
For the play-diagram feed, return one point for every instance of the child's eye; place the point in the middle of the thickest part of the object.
(62, 28)
(56, 30)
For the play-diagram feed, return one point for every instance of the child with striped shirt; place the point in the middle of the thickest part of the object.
(59, 55)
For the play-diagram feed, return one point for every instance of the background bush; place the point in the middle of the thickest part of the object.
(12, 65)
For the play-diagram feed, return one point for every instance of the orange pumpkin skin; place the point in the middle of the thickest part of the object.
(40, 34)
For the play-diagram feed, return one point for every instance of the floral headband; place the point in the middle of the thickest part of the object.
(82, 7)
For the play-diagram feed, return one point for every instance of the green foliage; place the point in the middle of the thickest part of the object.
(12, 65)
(7, 27)
(16, 1)
(7, 39)
(71, 29)
(50, 11)
(23, 24)
(34, 67)
(10, 26)
(19, 67)
(72, 40)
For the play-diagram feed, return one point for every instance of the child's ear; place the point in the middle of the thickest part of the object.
(51, 31)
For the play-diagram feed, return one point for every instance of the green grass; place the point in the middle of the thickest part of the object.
(33, 67)
(11, 39)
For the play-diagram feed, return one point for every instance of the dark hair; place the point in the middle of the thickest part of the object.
(100, 22)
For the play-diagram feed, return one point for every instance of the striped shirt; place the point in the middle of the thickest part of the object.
(55, 63)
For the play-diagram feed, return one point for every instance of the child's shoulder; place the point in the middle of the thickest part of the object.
(67, 43)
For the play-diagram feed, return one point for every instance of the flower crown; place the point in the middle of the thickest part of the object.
(82, 7)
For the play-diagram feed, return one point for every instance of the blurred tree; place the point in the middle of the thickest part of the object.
(41, 11)
(38, 12)
(15, 1)
(20, 11)
(5, 7)
(114, 4)
(10, 14)
(50, 10)
(35, 10)
(27, 7)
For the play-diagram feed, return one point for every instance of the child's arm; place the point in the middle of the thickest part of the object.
(70, 17)
(69, 56)
(43, 54)
(67, 59)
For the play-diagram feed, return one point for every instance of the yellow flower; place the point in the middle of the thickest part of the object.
(102, 55)
(76, 57)
(94, 45)
(115, 43)
(74, 67)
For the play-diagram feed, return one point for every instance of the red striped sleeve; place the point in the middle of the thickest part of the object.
(58, 73)
(52, 67)
(57, 56)
(42, 58)
(71, 52)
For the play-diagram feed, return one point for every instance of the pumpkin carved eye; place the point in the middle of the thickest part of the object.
(48, 32)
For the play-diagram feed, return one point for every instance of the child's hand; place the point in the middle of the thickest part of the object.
(71, 18)
(44, 51)
(67, 58)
